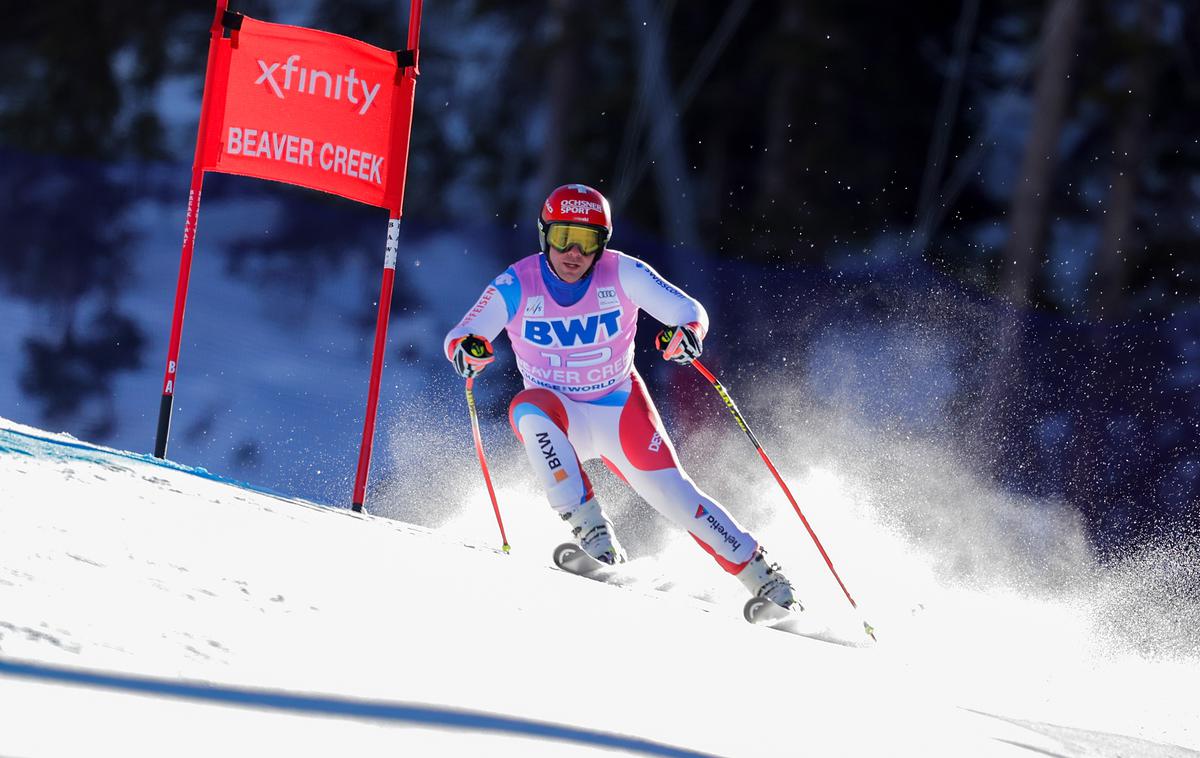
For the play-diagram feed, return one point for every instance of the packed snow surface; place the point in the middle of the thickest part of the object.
(154, 609)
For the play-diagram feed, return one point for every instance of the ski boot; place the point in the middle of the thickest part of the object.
(594, 533)
(766, 580)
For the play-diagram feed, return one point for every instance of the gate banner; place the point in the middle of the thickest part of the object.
(307, 107)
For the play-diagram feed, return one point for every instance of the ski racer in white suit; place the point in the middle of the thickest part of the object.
(571, 315)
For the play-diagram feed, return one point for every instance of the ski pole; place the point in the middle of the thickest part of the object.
(737, 415)
(487, 477)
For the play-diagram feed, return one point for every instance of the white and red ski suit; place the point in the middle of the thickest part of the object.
(583, 399)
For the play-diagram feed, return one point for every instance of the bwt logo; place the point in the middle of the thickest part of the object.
(579, 206)
(567, 332)
(307, 80)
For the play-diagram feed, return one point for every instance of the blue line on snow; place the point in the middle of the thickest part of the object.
(417, 714)
(141, 458)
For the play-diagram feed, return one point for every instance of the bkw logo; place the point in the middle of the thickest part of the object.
(568, 332)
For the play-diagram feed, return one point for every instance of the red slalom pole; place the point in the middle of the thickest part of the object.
(487, 476)
(737, 415)
(377, 355)
(391, 249)
(191, 221)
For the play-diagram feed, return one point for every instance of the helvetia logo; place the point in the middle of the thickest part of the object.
(716, 526)
(312, 81)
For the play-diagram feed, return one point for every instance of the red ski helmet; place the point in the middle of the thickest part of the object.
(575, 204)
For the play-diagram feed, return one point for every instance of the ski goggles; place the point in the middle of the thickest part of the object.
(590, 239)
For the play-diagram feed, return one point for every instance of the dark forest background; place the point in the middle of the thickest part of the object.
(1039, 159)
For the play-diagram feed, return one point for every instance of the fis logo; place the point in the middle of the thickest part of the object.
(568, 332)
(655, 443)
(719, 528)
(535, 305)
(313, 81)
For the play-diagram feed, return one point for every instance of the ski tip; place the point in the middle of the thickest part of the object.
(564, 553)
(751, 608)
(759, 610)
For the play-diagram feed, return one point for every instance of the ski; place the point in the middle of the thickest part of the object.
(761, 611)
(571, 558)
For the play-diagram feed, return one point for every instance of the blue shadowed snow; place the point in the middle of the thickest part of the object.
(337, 706)
(22, 443)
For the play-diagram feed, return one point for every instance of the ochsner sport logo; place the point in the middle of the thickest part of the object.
(314, 81)
(582, 207)
(716, 526)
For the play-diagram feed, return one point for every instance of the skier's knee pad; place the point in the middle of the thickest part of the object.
(539, 401)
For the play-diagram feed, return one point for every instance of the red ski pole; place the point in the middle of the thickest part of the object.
(487, 477)
(737, 415)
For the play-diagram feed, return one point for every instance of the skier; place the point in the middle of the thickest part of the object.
(571, 313)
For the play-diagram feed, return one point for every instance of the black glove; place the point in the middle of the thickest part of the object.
(471, 354)
(681, 344)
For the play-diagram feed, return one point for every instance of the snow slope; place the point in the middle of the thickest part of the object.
(154, 609)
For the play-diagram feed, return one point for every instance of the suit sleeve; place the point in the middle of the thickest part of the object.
(491, 312)
(658, 297)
